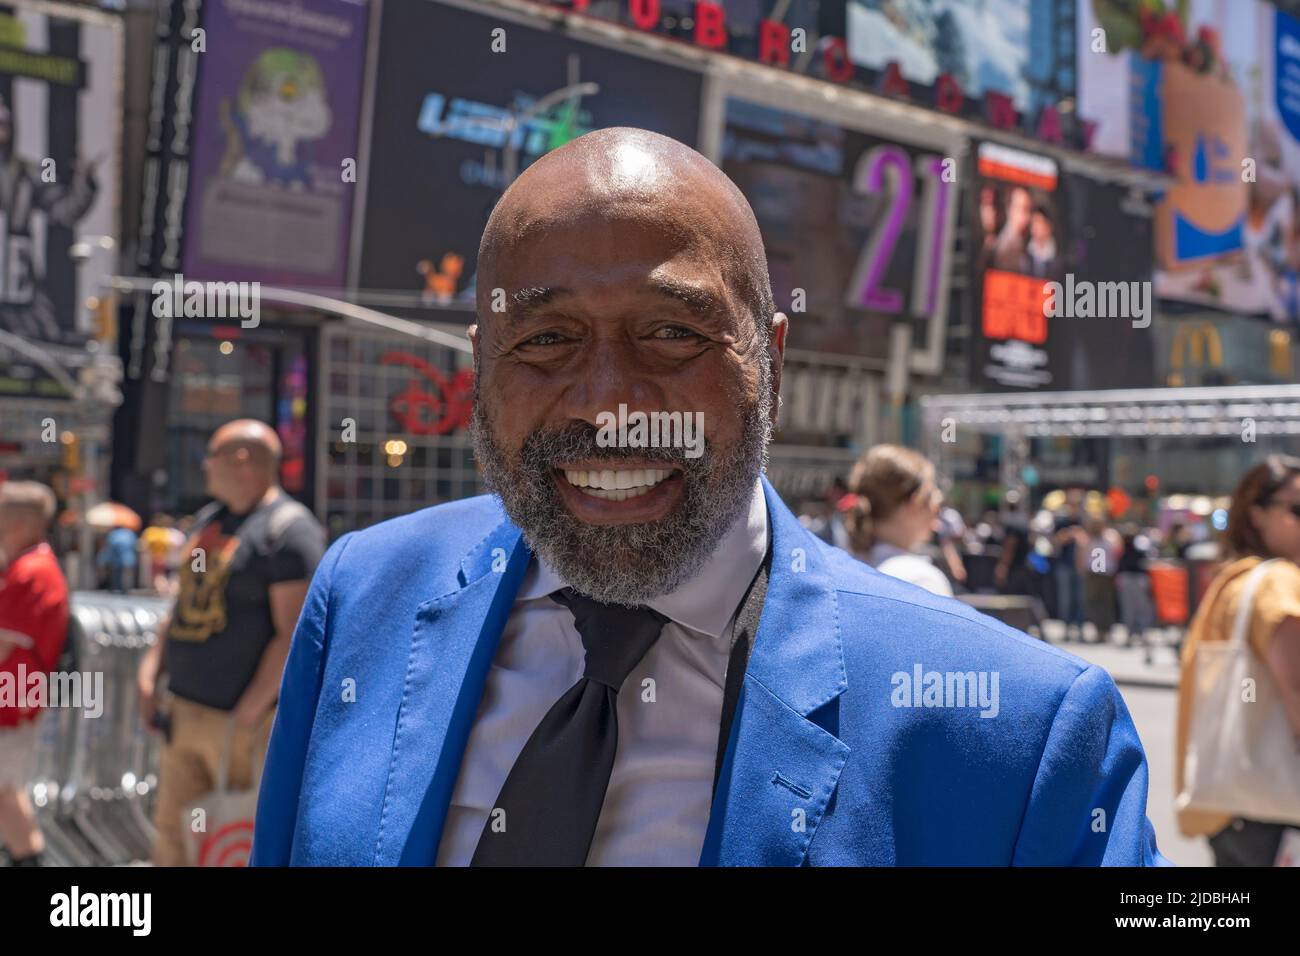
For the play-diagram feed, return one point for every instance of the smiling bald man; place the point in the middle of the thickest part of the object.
(632, 653)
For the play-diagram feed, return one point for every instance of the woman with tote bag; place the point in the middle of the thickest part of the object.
(1238, 759)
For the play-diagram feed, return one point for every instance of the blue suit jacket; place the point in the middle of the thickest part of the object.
(827, 763)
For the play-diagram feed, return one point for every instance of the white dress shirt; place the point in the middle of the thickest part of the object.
(657, 806)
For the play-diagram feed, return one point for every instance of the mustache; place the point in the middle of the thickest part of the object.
(577, 440)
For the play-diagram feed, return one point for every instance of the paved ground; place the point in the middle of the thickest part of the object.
(1149, 691)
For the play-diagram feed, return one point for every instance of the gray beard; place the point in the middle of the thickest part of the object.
(626, 564)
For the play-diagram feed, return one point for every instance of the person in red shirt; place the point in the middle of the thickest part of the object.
(33, 628)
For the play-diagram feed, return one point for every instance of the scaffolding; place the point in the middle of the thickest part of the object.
(1244, 412)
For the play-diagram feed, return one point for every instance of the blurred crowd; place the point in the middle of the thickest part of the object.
(129, 558)
(1104, 577)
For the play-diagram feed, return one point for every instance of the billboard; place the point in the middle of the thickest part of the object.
(982, 45)
(857, 226)
(60, 126)
(1111, 241)
(1063, 277)
(454, 120)
(1208, 94)
(275, 123)
(1019, 246)
(1007, 63)
(1213, 349)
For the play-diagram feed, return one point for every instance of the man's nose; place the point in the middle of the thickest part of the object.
(613, 372)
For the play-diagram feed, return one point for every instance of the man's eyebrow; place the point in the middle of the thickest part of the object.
(699, 301)
(524, 302)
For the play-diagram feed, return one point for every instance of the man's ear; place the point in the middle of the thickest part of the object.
(776, 354)
(776, 340)
(475, 341)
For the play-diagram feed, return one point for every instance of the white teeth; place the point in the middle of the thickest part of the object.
(616, 485)
(618, 494)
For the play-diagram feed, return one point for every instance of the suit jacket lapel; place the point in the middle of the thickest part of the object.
(781, 768)
(453, 643)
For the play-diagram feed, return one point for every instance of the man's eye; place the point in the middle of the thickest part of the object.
(545, 338)
(674, 332)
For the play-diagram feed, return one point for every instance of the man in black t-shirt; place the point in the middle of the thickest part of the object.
(246, 568)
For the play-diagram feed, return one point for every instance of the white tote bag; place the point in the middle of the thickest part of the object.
(1242, 757)
(227, 836)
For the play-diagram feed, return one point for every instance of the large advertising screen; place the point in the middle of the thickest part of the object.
(1020, 245)
(1209, 93)
(1006, 63)
(275, 126)
(1110, 250)
(857, 226)
(1063, 277)
(983, 45)
(456, 119)
(60, 125)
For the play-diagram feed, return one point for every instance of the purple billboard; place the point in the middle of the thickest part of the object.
(275, 135)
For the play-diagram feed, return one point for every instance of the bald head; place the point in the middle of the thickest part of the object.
(243, 462)
(631, 175)
(257, 439)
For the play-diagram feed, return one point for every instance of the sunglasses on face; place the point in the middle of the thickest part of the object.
(212, 454)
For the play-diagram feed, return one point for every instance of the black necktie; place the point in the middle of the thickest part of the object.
(553, 794)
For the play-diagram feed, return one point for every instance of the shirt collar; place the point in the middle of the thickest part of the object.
(708, 601)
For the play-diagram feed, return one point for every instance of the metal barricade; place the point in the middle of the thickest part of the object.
(96, 775)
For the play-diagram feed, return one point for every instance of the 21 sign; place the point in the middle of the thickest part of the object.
(917, 191)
